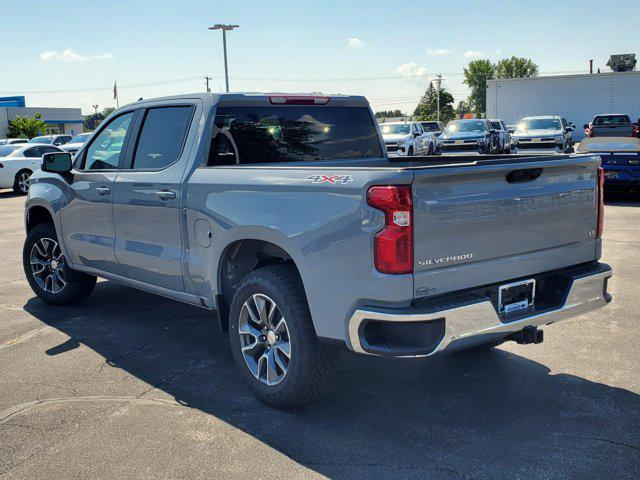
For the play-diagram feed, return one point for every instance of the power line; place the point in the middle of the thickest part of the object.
(95, 89)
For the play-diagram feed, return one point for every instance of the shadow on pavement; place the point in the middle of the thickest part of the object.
(10, 194)
(470, 415)
(622, 199)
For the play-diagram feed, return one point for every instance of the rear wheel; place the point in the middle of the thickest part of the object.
(21, 182)
(47, 270)
(273, 341)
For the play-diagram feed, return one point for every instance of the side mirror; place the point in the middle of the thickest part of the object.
(511, 130)
(56, 162)
(569, 129)
(416, 134)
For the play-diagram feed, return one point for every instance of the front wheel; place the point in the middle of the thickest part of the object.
(21, 182)
(47, 271)
(272, 338)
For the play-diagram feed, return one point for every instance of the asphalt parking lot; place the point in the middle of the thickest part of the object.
(131, 385)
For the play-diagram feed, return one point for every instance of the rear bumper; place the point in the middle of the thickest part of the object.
(466, 320)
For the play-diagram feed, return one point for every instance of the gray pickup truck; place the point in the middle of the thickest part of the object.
(610, 125)
(284, 216)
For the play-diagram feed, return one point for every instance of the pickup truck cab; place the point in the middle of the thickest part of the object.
(407, 139)
(544, 134)
(284, 216)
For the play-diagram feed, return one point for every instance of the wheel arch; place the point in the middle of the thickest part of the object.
(240, 257)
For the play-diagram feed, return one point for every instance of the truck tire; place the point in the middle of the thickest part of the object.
(21, 182)
(273, 341)
(47, 272)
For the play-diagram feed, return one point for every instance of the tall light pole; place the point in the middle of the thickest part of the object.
(95, 107)
(224, 28)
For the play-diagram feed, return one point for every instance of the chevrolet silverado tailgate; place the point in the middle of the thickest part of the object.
(499, 220)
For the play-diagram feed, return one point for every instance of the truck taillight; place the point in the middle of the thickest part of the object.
(600, 193)
(393, 245)
(635, 130)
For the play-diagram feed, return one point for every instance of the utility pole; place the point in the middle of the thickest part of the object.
(224, 28)
(206, 79)
(438, 82)
(95, 108)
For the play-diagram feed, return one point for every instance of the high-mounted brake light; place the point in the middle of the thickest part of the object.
(600, 194)
(393, 245)
(298, 100)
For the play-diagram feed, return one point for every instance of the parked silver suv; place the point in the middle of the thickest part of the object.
(551, 132)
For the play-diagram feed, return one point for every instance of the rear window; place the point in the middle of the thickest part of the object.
(611, 120)
(253, 135)
(7, 150)
(430, 126)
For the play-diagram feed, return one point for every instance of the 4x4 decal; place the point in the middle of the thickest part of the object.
(335, 179)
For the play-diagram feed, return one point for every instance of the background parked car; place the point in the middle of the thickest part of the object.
(13, 141)
(76, 142)
(18, 162)
(504, 137)
(469, 135)
(549, 132)
(407, 139)
(611, 125)
(52, 139)
(433, 127)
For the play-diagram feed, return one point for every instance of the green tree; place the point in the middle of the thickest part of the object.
(29, 127)
(475, 76)
(389, 114)
(427, 108)
(92, 121)
(515, 67)
(463, 108)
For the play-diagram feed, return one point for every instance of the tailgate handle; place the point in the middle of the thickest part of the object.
(522, 176)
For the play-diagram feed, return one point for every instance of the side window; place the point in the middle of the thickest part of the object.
(50, 149)
(34, 152)
(105, 150)
(162, 137)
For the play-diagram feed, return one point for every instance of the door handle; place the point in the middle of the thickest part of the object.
(102, 191)
(166, 195)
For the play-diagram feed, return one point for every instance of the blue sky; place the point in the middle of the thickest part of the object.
(69, 54)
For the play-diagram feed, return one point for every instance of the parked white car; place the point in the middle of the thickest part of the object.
(18, 162)
(12, 141)
(407, 139)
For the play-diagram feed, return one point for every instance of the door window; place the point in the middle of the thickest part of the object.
(106, 149)
(162, 137)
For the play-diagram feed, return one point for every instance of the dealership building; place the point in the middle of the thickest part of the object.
(578, 98)
(57, 120)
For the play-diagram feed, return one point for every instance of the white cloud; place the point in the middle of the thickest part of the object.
(69, 55)
(497, 51)
(103, 56)
(410, 70)
(473, 54)
(438, 52)
(355, 43)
